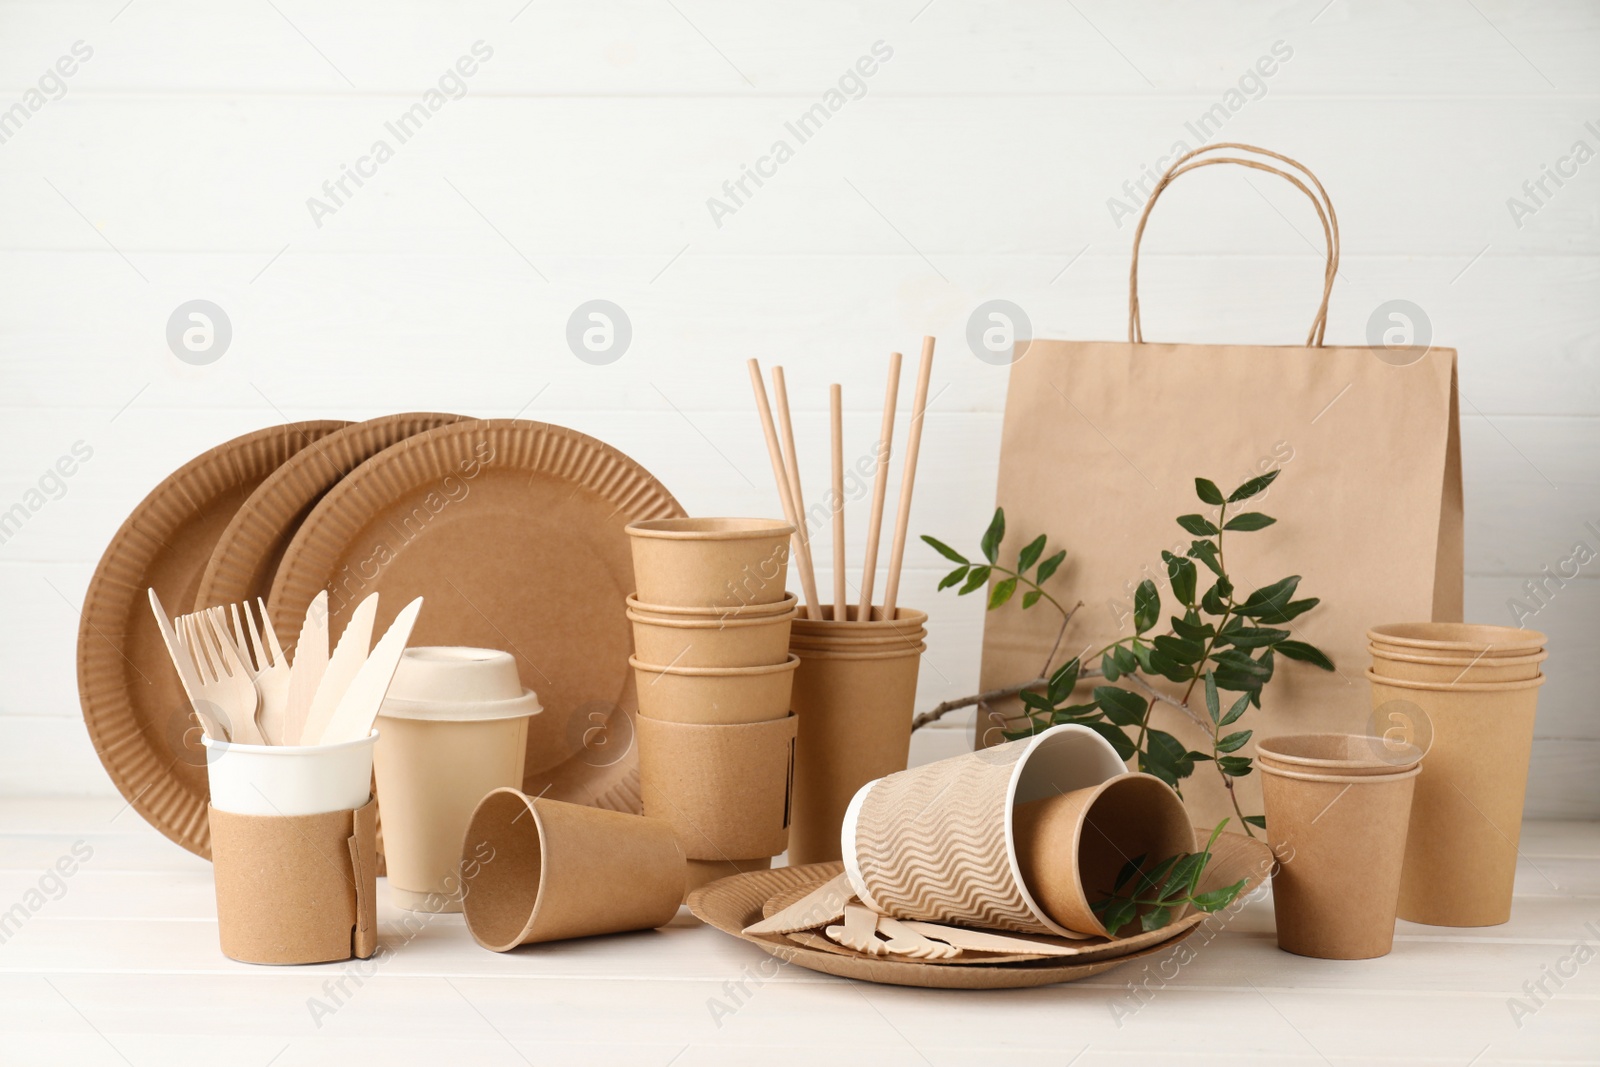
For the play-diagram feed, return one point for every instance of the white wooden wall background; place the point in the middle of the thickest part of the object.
(978, 164)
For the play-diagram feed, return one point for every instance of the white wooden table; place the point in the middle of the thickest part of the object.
(118, 964)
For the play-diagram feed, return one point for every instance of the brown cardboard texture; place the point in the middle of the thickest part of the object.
(1347, 754)
(1071, 847)
(762, 641)
(704, 872)
(724, 789)
(543, 870)
(1340, 842)
(1461, 852)
(1446, 670)
(854, 718)
(710, 563)
(296, 888)
(714, 695)
(1469, 639)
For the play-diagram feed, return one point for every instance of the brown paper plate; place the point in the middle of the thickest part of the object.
(135, 710)
(513, 532)
(247, 554)
(731, 904)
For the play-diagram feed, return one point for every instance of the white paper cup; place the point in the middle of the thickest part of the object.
(289, 779)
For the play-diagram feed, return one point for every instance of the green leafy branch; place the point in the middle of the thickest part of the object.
(1156, 895)
(1230, 644)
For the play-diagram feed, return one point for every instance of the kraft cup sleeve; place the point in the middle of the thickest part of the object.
(724, 789)
(296, 888)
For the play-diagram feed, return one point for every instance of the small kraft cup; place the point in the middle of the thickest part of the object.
(539, 870)
(711, 640)
(453, 728)
(712, 696)
(1448, 670)
(1454, 639)
(906, 629)
(294, 850)
(1466, 819)
(710, 564)
(1340, 843)
(853, 710)
(939, 843)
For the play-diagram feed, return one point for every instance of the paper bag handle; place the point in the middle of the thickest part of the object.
(1325, 213)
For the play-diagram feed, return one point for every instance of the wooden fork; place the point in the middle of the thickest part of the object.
(268, 668)
(223, 679)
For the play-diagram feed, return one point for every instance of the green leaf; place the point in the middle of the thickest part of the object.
(1251, 637)
(1198, 525)
(1151, 880)
(1292, 610)
(1252, 487)
(1183, 650)
(1118, 739)
(1048, 567)
(1030, 554)
(945, 550)
(1191, 627)
(1234, 742)
(1213, 705)
(1235, 766)
(953, 577)
(1234, 712)
(1109, 666)
(1037, 701)
(1078, 713)
(1269, 599)
(994, 535)
(1215, 602)
(1155, 918)
(976, 578)
(1001, 592)
(1181, 573)
(1258, 821)
(1241, 661)
(1064, 680)
(1217, 899)
(1249, 520)
(1129, 869)
(1186, 872)
(1305, 653)
(1206, 552)
(1030, 598)
(1169, 752)
(1146, 606)
(1169, 668)
(1127, 662)
(1121, 707)
(1207, 490)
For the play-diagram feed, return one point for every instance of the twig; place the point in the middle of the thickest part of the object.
(939, 712)
(1165, 699)
(1060, 636)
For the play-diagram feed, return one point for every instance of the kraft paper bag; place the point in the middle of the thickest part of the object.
(1102, 442)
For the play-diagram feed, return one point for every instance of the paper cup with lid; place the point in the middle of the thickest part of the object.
(453, 728)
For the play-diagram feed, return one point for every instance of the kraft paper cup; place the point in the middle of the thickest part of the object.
(1449, 670)
(710, 563)
(1340, 841)
(854, 714)
(542, 870)
(906, 621)
(289, 779)
(704, 872)
(761, 641)
(454, 728)
(1343, 754)
(786, 606)
(1072, 846)
(895, 642)
(714, 695)
(938, 842)
(1466, 820)
(1454, 639)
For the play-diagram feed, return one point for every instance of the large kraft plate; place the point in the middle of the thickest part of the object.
(513, 532)
(137, 715)
(730, 904)
(247, 554)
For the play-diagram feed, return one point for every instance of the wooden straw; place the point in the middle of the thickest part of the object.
(908, 479)
(775, 453)
(836, 416)
(808, 576)
(880, 488)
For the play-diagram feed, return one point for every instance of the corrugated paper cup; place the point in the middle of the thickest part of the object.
(542, 870)
(854, 710)
(454, 728)
(1466, 819)
(938, 842)
(711, 564)
(711, 641)
(1340, 841)
(714, 695)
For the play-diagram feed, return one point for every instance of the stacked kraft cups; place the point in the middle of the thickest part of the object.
(1472, 691)
(711, 628)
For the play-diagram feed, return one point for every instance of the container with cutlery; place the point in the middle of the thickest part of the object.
(453, 729)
